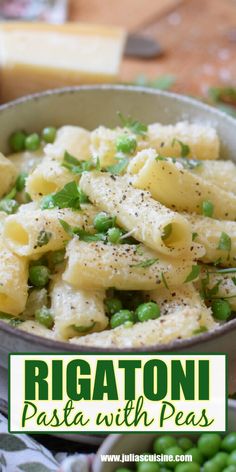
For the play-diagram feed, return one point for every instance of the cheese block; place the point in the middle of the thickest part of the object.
(40, 56)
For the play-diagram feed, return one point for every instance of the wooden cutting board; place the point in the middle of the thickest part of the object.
(130, 14)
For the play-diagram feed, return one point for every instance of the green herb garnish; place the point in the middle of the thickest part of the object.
(78, 167)
(81, 233)
(195, 271)
(146, 263)
(67, 197)
(184, 148)
(135, 126)
(164, 281)
(207, 208)
(194, 236)
(120, 167)
(224, 242)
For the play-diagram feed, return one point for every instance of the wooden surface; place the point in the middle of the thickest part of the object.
(198, 37)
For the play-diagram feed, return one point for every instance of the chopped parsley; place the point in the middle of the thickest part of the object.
(190, 164)
(146, 263)
(164, 281)
(78, 167)
(81, 233)
(68, 197)
(120, 167)
(184, 148)
(43, 238)
(224, 242)
(194, 236)
(195, 271)
(135, 126)
(207, 208)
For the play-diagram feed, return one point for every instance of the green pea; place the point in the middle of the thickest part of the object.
(196, 455)
(102, 221)
(211, 466)
(32, 142)
(43, 316)
(173, 451)
(57, 257)
(207, 208)
(113, 305)
(221, 309)
(114, 235)
(126, 144)
(230, 468)
(9, 206)
(147, 311)
(17, 141)
(221, 459)
(185, 443)
(148, 467)
(188, 467)
(163, 443)
(229, 442)
(232, 458)
(121, 317)
(39, 275)
(209, 444)
(49, 134)
(20, 181)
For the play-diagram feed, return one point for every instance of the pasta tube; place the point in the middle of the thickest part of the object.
(217, 237)
(8, 174)
(202, 140)
(220, 173)
(223, 286)
(26, 161)
(136, 211)
(75, 311)
(13, 286)
(74, 140)
(178, 188)
(180, 319)
(48, 177)
(122, 266)
(35, 232)
(33, 327)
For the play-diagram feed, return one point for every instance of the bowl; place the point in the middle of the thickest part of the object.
(90, 106)
(138, 443)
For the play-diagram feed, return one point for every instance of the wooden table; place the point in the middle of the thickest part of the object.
(198, 37)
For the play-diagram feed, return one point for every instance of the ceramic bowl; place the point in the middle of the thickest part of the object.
(92, 106)
(139, 443)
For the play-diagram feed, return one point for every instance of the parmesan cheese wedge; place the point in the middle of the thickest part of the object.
(39, 56)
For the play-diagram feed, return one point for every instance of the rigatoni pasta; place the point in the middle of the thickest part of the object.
(132, 207)
(76, 312)
(179, 189)
(124, 267)
(122, 237)
(36, 232)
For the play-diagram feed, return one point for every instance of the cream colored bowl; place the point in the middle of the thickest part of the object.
(138, 443)
(90, 107)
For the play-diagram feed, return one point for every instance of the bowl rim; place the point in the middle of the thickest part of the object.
(107, 445)
(177, 344)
